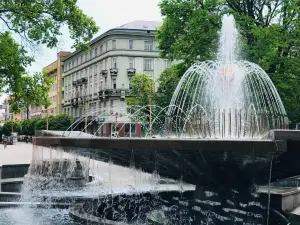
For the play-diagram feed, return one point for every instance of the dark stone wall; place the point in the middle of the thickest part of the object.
(14, 171)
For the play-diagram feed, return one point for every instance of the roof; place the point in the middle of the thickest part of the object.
(140, 25)
(137, 25)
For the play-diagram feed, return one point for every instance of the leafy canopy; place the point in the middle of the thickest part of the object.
(34, 91)
(40, 21)
(35, 22)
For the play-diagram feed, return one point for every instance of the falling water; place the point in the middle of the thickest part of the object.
(227, 98)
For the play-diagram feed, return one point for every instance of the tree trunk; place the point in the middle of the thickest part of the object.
(47, 120)
(27, 112)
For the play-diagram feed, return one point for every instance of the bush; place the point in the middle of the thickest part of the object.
(28, 127)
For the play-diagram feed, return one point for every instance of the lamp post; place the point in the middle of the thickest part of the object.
(85, 106)
(152, 90)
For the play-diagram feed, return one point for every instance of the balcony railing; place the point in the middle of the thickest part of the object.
(122, 93)
(131, 72)
(104, 73)
(113, 71)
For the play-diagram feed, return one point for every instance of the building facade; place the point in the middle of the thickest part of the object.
(55, 71)
(97, 81)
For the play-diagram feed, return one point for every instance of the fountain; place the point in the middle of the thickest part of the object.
(227, 98)
(221, 115)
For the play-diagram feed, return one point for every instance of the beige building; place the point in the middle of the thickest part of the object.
(55, 70)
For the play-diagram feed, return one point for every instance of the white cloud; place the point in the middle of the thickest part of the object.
(107, 14)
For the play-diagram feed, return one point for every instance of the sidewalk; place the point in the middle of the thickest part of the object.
(21, 153)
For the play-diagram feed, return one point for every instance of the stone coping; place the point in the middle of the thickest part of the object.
(284, 135)
(245, 145)
(283, 191)
(12, 180)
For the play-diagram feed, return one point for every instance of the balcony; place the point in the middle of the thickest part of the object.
(74, 102)
(104, 73)
(131, 72)
(122, 93)
(82, 81)
(102, 95)
(113, 72)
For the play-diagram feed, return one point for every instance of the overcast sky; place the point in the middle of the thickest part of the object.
(108, 14)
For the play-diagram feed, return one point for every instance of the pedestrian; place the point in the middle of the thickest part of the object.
(5, 142)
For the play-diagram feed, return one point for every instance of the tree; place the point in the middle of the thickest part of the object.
(40, 21)
(13, 60)
(269, 36)
(36, 22)
(34, 92)
(168, 81)
(190, 29)
(142, 90)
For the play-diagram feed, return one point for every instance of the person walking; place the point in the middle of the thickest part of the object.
(5, 141)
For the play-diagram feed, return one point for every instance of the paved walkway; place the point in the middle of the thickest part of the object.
(21, 153)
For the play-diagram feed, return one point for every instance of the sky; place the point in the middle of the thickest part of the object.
(107, 14)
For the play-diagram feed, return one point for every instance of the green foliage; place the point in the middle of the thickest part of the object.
(142, 90)
(40, 21)
(13, 61)
(60, 122)
(27, 127)
(168, 81)
(36, 22)
(189, 30)
(270, 37)
(34, 91)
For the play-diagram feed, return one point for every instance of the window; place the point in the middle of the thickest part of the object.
(114, 63)
(82, 59)
(129, 84)
(101, 49)
(91, 54)
(95, 69)
(77, 61)
(72, 64)
(148, 45)
(86, 57)
(148, 64)
(167, 63)
(96, 51)
(106, 46)
(131, 63)
(105, 82)
(91, 71)
(101, 85)
(114, 84)
(111, 103)
(114, 44)
(96, 87)
(101, 65)
(130, 44)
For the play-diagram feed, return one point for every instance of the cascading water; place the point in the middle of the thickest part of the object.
(227, 98)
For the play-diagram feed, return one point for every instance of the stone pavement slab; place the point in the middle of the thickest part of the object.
(21, 153)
